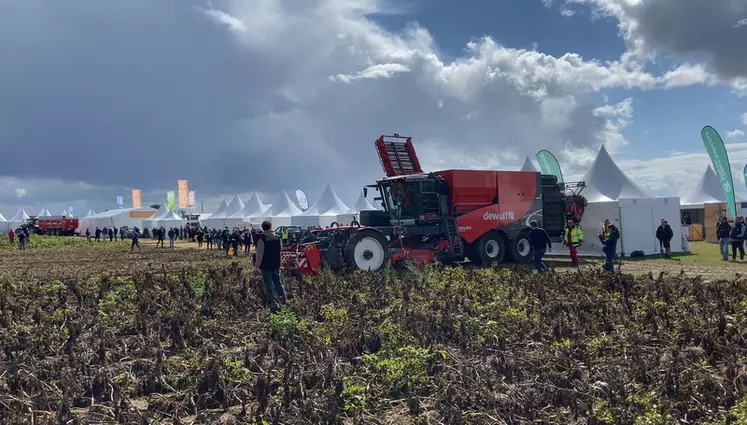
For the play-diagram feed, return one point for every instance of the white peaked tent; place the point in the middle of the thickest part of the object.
(89, 213)
(254, 209)
(44, 213)
(171, 219)
(606, 182)
(64, 213)
(612, 195)
(130, 217)
(18, 219)
(281, 212)
(152, 222)
(84, 223)
(327, 210)
(221, 208)
(707, 191)
(361, 204)
(4, 225)
(528, 166)
(229, 216)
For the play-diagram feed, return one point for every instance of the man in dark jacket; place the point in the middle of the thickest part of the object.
(267, 261)
(541, 243)
(665, 234)
(723, 230)
(609, 246)
(736, 237)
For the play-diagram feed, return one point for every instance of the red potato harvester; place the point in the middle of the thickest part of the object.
(447, 216)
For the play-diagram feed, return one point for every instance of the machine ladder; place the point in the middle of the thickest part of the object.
(452, 232)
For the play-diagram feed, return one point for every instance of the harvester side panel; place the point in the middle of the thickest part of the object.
(517, 199)
(470, 189)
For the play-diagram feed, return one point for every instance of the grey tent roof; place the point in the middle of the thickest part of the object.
(707, 191)
(362, 205)
(606, 182)
(528, 166)
(254, 207)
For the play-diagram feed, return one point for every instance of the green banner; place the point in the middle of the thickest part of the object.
(549, 164)
(170, 199)
(714, 144)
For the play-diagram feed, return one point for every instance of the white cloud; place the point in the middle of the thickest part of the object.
(734, 134)
(224, 18)
(20, 192)
(567, 12)
(744, 118)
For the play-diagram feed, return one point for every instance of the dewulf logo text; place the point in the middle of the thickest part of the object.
(506, 215)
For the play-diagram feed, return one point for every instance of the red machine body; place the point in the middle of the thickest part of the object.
(450, 215)
(57, 225)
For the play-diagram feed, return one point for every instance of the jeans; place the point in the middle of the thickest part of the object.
(609, 261)
(171, 242)
(723, 245)
(273, 285)
(538, 264)
(737, 245)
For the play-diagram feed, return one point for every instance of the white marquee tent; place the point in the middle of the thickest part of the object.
(44, 213)
(152, 222)
(361, 204)
(130, 217)
(707, 191)
(171, 219)
(254, 209)
(281, 212)
(65, 213)
(84, 222)
(605, 181)
(327, 210)
(612, 195)
(18, 219)
(4, 225)
(528, 166)
(229, 217)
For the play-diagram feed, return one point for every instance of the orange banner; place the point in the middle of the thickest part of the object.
(141, 214)
(183, 193)
(136, 198)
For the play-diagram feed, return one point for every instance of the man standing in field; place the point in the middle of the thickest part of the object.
(541, 243)
(574, 236)
(722, 233)
(609, 247)
(267, 262)
(665, 234)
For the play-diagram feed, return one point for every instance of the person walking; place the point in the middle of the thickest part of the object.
(609, 246)
(135, 239)
(267, 262)
(574, 237)
(111, 234)
(161, 233)
(12, 237)
(172, 236)
(116, 234)
(664, 234)
(723, 230)
(98, 234)
(541, 243)
(736, 238)
(23, 237)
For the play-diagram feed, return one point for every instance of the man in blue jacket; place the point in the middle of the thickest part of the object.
(541, 243)
(609, 247)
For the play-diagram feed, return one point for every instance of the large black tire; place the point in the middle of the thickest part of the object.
(489, 248)
(521, 248)
(367, 249)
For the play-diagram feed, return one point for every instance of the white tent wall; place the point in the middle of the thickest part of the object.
(636, 218)
(640, 217)
(346, 219)
(281, 212)
(118, 218)
(171, 219)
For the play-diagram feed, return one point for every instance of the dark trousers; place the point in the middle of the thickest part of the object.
(737, 245)
(538, 264)
(273, 286)
(135, 243)
(609, 260)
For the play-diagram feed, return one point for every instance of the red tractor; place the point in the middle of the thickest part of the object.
(449, 216)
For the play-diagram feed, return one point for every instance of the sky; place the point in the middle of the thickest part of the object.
(98, 97)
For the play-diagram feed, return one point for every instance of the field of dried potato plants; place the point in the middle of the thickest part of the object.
(102, 335)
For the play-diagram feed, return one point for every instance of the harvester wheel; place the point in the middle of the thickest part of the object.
(521, 248)
(488, 249)
(367, 249)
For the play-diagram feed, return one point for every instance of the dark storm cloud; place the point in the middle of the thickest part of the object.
(135, 93)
